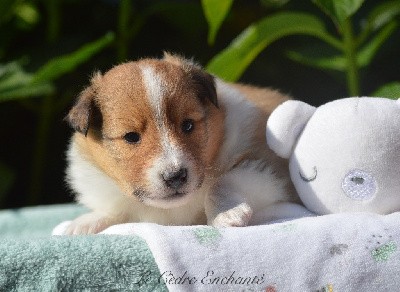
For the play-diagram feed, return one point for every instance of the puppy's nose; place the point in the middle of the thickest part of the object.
(175, 179)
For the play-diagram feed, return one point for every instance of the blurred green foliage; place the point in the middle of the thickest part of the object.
(48, 48)
(15, 83)
(233, 61)
(389, 90)
(215, 12)
(354, 51)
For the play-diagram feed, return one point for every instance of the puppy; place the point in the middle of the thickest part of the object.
(161, 140)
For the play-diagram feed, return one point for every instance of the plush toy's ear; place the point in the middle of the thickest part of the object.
(285, 124)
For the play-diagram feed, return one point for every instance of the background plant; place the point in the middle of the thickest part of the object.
(18, 85)
(49, 48)
(352, 51)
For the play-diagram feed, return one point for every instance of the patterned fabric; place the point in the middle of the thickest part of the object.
(340, 252)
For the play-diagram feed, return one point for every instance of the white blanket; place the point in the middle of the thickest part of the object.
(341, 252)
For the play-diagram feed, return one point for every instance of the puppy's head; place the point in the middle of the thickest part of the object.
(153, 126)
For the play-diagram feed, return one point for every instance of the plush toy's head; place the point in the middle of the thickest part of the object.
(344, 155)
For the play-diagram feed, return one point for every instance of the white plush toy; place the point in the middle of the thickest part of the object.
(344, 155)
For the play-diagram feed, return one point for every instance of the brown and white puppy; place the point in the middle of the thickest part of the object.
(160, 140)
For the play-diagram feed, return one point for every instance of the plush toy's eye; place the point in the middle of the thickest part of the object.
(359, 185)
(187, 126)
(132, 137)
(309, 178)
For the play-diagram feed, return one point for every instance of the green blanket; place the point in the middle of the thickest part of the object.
(32, 260)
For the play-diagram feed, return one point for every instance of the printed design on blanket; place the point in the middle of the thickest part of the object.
(381, 246)
(270, 289)
(289, 227)
(383, 252)
(338, 249)
(327, 288)
(207, 236)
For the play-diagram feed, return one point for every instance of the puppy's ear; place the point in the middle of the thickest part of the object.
(85, 113)
(204, 82)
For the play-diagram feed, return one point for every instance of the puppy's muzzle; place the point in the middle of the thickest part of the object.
(175, 179)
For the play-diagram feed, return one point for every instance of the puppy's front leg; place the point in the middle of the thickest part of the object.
(90, 223)
(244, 192)
(226, 207)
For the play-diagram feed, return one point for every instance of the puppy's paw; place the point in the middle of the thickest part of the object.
(90, 223)
(236, 217)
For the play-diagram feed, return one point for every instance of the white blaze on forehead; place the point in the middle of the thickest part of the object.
(156, 91)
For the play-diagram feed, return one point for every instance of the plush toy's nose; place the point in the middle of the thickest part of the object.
(175, 179)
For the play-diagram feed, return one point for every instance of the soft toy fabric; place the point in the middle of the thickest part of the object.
(344, 155)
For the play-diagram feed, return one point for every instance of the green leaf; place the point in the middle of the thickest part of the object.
(59, 66)
(383, 13)
(215, 12)
(390, 90)
(332, 63)
(233, 61)
(12, 75)
(15, 83)
(366, 54)
(339, 10)
(28, 14)
(30, 90)
(338, 62)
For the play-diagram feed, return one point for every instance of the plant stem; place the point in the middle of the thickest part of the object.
(124, 17)
(40, 150)
(53, 26)
(350, 51)
(333, 41)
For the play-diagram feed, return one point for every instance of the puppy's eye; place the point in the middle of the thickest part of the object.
(187, 126)
(132, 137)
